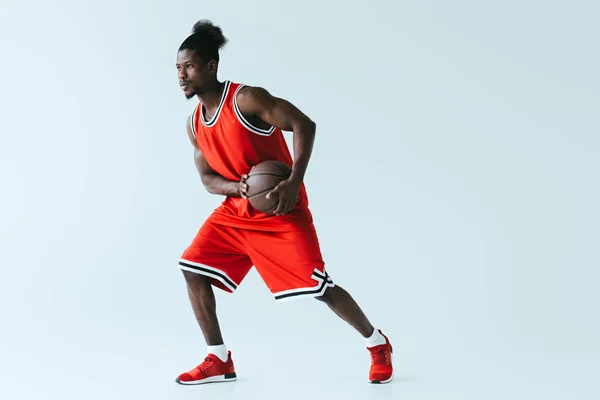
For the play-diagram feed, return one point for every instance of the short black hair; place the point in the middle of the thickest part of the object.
(206, 40)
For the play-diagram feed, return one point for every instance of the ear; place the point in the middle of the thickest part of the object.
(212, 66)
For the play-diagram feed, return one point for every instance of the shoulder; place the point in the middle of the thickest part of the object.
(191, 120)
(189, 124)
(190, 130)
(252, 97)
(246, 91)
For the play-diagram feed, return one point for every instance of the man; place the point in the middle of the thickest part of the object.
(233, 128)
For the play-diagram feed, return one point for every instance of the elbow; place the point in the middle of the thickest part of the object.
(211, 189)
(309, 126)
(207, 183)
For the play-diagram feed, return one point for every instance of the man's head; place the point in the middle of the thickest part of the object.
(198, 57)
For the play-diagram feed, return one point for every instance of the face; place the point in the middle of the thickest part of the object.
(193, 73)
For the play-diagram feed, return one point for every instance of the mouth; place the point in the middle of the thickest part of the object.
(184, 85)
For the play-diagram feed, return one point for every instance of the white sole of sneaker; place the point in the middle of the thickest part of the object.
(386, 381)
(212, 379)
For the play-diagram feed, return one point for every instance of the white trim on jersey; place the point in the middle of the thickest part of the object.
(244, 122)
(193, 123)
(215, 117)
(323, 282)
(211, 272)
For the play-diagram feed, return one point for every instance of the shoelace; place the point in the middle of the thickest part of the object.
(379, 357)
(207, 363)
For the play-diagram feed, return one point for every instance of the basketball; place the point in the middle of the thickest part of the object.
(261, 179)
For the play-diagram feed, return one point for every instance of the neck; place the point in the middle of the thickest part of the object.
(211, 94)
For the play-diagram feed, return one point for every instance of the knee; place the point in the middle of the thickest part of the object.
(327, 295)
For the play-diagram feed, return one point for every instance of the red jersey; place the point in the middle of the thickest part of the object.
(232, 146)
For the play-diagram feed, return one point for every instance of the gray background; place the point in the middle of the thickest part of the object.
(454, 185)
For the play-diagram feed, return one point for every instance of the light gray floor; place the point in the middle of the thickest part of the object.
(294, 351)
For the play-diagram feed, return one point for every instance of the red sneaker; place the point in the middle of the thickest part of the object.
(212, 369)
(381, 362)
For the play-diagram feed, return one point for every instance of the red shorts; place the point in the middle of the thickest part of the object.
(290, 263)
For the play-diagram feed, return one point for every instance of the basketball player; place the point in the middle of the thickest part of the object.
(233, 128)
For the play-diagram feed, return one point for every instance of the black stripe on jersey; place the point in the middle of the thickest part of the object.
(193, 123)
(215, 117)
(243, 121)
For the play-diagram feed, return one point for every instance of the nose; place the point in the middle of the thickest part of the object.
(182, 75)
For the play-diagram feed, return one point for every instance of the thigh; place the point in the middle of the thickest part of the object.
(290, 263)
(218, 251)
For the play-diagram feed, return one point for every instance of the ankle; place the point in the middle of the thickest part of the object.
(376, 339)
(220, 351)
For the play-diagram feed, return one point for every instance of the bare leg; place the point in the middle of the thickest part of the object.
(204, 305)
(346, 308)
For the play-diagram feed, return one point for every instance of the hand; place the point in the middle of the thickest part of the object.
(243, 186)
(288, 192)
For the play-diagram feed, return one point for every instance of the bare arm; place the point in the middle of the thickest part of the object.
(212, 181)
(257, 102)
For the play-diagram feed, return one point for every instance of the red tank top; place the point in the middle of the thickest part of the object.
(232, 146)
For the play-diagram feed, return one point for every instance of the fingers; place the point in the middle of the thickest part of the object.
(275, 190)
(244, 187)
(281, 206)
(288, 208)
(284, 206)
